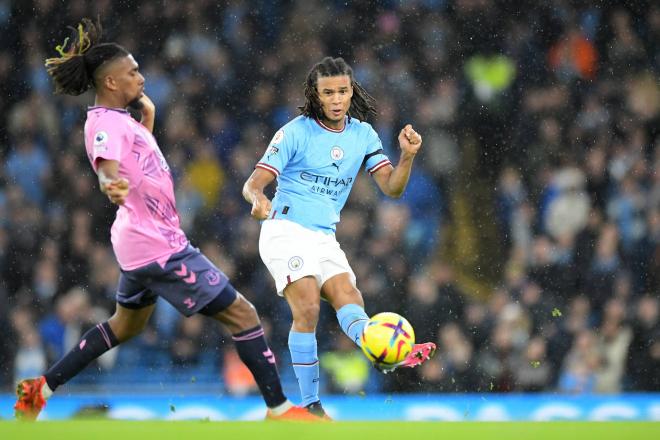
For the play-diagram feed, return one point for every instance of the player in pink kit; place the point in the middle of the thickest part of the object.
(153, 252)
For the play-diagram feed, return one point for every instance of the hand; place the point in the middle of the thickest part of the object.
(146, 106)
(409, 140)
(148, 110)
(116, 190)
(261, 207)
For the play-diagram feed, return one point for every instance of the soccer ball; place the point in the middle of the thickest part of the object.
(387, 339)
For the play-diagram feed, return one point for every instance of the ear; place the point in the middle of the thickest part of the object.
(110, 83)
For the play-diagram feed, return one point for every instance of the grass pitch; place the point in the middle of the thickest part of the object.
(201, 430)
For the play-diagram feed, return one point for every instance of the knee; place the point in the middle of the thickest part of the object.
(125, 329)
(243, 309)
(241, 315)
(349, 295)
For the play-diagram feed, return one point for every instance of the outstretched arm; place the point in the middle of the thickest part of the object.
(253, 192)
(392, 181)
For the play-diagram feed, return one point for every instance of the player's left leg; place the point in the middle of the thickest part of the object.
(304, 299)
(346, 299)
(123, 325)
(339, 289)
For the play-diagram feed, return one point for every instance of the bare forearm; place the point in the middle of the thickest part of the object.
(251, 191)
(110, 183)
(107, 175)
(148, 120)
(398, 179)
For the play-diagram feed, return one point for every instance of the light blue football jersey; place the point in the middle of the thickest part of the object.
(316, 167)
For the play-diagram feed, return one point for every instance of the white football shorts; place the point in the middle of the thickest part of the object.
(291, 252)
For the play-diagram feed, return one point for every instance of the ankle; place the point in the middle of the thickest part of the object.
(316, 408)
(281, 408)
(46, 391)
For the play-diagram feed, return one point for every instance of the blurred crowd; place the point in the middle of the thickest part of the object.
(560, 98)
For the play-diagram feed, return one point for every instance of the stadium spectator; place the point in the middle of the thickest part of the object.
(584, 92)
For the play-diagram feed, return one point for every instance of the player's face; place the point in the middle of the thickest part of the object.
(335, 94)
(129, 80)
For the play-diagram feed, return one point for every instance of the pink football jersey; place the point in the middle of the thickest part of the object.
(146, 228)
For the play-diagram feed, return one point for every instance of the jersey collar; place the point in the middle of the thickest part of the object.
(346, 122)
(98, 107)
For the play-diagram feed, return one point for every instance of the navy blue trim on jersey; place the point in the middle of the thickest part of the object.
(370, 155)
(96, 107)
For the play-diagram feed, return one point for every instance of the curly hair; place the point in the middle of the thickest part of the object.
(362, 106)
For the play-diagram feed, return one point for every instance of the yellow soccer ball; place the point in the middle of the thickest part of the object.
(387, 339)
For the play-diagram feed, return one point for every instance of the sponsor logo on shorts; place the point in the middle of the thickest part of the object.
(189, 303)
(296, 263)
(187, 275)
(212, 277)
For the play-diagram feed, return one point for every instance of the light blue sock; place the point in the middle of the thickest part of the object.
(305, 364)
(352, 320)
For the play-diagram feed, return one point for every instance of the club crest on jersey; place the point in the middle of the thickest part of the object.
(336, 153)
(295, 263)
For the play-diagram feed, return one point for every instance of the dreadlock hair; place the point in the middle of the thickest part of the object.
(363, 105)
(73, 71)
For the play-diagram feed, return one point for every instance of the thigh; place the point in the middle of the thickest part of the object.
(335, 266)
(289, 252)
(133, 292)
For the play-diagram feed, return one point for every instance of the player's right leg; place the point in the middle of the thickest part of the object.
(304, 299)
(341, 293)
(290, 252)
(123, 325)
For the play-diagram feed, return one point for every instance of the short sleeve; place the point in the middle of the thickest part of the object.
(375, 158)
(107, 139)
(279, 151)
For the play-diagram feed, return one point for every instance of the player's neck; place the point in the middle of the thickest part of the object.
(108, 101)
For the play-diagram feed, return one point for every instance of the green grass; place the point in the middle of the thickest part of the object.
(201, 430)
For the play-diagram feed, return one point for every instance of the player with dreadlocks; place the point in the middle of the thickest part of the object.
(315, 159)
(153, 252)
